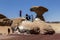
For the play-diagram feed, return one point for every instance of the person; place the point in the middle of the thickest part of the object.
(32, 18)
(20, 14)
(28, 17)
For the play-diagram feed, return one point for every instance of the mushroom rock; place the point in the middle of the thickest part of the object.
(39, 10)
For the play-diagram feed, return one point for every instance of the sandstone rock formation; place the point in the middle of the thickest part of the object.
(17, 21)
(45, 28)
(39, 10)
(37, 23)
(4, 21)
(2, 16)
(29, 28)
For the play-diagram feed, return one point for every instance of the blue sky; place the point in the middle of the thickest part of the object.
(11, 8)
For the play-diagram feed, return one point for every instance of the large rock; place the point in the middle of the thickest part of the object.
(17, 21)
(28, 27)
(39, 10)
(2, 16)
(5, 22)
(45, 28)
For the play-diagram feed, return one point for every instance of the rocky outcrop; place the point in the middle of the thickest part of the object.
(4, 21)
(39, 10)
(2, 16)
(37, 26)
(17, 21)
(45, 28)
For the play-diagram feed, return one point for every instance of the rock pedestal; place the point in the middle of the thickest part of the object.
(39, 10)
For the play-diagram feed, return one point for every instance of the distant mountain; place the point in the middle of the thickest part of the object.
(53, 22)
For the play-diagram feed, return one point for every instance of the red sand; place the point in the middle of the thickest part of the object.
(32, 37)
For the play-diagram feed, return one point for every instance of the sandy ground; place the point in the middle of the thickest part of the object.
(56, 27)
(5, 37)
(30, 37)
